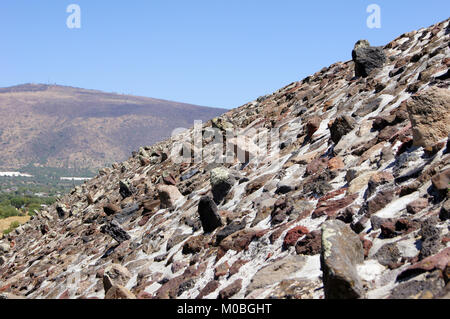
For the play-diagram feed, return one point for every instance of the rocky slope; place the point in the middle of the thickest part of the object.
(351, 202)
(59, 126)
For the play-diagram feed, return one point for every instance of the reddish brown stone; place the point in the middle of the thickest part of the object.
(144, 295)
(64, 295)
(221, 270)
(310, 245)
(194, 245)
(417, 206)
(240, 240)
(279, 231)
(332, 207)
(234, 269)
(405, 226)
(332, 194)
(231, 290)
(144, 220)
(151, 205)
(380, 201)
(367, 245)
(169, 180)
(438, 261)
(293, 235)
(312, 126)
(111, 209)
(388, 230)
(208, 289)
(316, 166)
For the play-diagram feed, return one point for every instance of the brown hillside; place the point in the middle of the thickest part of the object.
(61, 126)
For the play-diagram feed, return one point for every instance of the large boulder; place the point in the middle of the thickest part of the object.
(341, 252)
(209, 216)
(367, 58)
(429, 112)
(221, 183)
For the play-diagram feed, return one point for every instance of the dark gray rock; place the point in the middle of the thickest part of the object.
(209, 217)
(431, 236)
(228, 230)
(221, 183)
(284, 189)
(126, 213)
(189, 175)
(388, 254)
(445, 211)
(125, 189)
(367, 58)
(415, 289)
(63, 211)
(114, 230)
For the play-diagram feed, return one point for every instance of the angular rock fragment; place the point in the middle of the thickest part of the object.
(114, 230)
(340, 127)
(231, 290)
(168, 195)
(221, 183)
(115, 274)
(228, 230)
(367, 58)
(111, 209)
(125, 189)
(209, 216)
(119, 292)
(429, 112)
(341, 252)
(276, 272)
(441, 181)
(63, 211)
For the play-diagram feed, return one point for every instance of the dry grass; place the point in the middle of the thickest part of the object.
(5, 223)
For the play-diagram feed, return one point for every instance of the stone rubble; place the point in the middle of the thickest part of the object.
(352, 200)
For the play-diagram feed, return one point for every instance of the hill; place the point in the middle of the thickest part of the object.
(67, 127)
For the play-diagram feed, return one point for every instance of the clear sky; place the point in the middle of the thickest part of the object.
(221, 53)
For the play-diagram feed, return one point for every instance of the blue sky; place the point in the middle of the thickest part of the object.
(221, 53)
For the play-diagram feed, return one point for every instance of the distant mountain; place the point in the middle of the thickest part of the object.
(59, 126)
